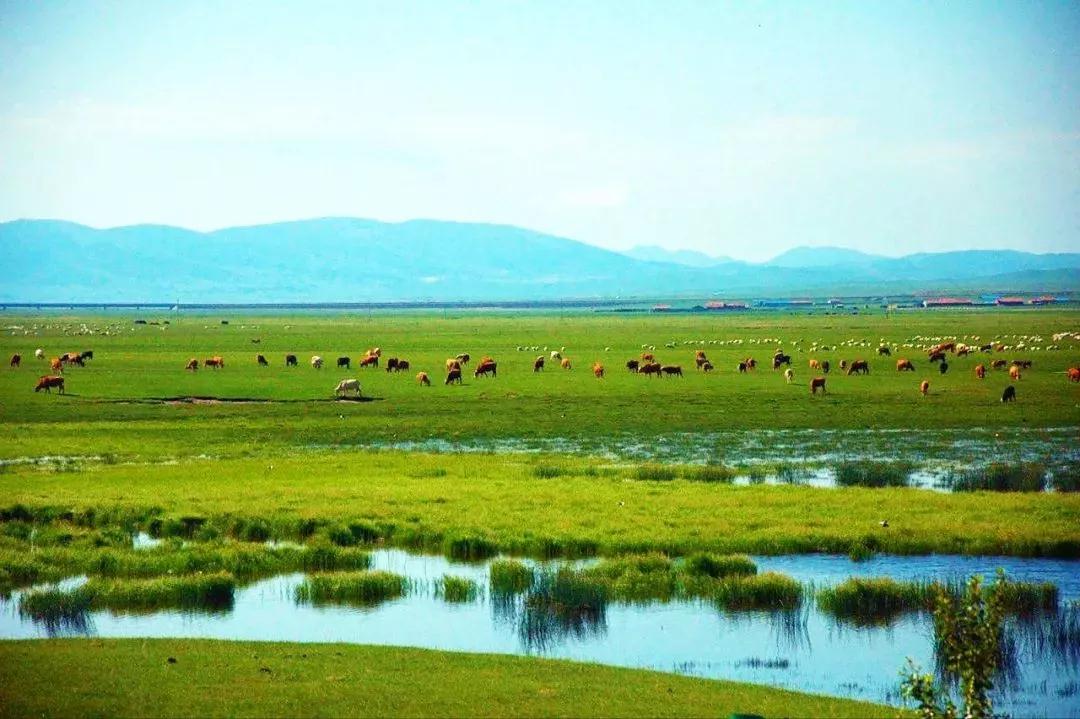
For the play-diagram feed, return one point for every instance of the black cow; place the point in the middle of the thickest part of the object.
(1009, 395)
(262, 361)
(944, 367)
(87, 355)
(290, 360)
(343, 362)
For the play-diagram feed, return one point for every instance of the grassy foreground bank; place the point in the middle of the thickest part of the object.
(133, 677)
(499, 503)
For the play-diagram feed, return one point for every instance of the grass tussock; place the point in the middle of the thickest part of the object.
(366, 588)
(1001, 477)
(876, 600)
(469, 548)
(204, 593)
(655, 473)
(703, 564)
(865, 473)
(710, 473)
(767, 592)
(509, 577)
(457, 590)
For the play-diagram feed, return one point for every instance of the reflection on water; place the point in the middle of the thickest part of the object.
(801, 650)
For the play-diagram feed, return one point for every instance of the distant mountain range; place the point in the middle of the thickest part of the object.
(690, 258)
(357, 260)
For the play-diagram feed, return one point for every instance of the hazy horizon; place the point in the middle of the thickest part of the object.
(728, 129)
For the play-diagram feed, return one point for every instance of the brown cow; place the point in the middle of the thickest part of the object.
(942, 348)
(980, 371)
(751, 363)
(647, 357)
(216, 362)
(565, 364)
(1014, 372)
(56, 365)
(453, 375)
(453, 364)
(374, 352)
(937, 356)
(1074, 374)
(699, 353)
(816, 383)
(598, 370)
(700, 360)
(538, 364)
(999, 364)
(193, 364)
(47, 383)
(484, 368)
(16, 360)
(72, 358)
(814, 364)
(904, 365)
(369, 361)
(423, 379)
(859, 367)
(924, 387)
(650, 368)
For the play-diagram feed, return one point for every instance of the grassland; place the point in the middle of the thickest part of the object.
(209, 678)
(471, 506)
(228, 459)
(114, 406)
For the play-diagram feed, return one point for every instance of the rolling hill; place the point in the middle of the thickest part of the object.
(358, 260)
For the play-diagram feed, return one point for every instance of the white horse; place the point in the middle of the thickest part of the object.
(347, 385)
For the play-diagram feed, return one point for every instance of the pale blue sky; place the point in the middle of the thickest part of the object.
(733, 128)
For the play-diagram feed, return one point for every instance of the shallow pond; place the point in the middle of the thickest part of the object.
(805, 650)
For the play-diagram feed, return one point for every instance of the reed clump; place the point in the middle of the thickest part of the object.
(1000, 477)
(365, 588)
(865, 473)
(717, 566)
(470, 548)
(767, 592)
(457, 590)
(871, 601)
(717, 473)
(509, 577)
(205, 593)
(655, 473)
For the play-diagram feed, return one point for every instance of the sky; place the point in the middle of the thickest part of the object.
(739, 129)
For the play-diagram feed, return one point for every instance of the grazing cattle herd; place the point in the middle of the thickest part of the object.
(645, 364)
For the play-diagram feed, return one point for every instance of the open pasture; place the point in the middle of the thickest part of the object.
(135, 397)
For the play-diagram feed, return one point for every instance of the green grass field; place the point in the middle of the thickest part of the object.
(423, 500)
(212, 678)
(111, 405)
(123, 450)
